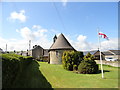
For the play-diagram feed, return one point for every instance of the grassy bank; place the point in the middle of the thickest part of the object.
(32, 77)
(60, 78)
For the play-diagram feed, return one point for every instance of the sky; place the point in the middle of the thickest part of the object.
(41, 21)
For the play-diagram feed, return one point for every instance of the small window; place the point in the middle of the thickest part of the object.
(56, 53)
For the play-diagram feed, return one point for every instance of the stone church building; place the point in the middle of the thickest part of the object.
(59, 45)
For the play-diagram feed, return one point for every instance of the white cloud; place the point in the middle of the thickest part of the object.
(40, 33)
(36, 27)
(30, 34)
(82, 44)
(23, 44)
(17, 30)
(109, 44)
(26, 33)
(37, 34)
(54, 31)
(18, 16)
(37, 37)
(13, 44)
(81, 38)
(43, 37)
(64, 2)
(13, 39)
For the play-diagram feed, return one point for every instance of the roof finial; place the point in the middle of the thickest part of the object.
(54, 39)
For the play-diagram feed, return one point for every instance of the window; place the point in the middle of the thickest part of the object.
(57, 53)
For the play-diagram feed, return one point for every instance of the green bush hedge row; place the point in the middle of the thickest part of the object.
(12, 66)
(76, 61)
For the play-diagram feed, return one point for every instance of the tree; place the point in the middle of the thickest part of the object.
(71, 59)
(89, 57)
(88, 65)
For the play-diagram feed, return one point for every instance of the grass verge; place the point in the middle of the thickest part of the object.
(60, 78)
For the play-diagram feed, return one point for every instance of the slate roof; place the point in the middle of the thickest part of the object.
(98, 53)
(91, 52)
(36, 47)
(112, 52)
(1, 50)
(61, 43)
(107, 53)
(116, 52)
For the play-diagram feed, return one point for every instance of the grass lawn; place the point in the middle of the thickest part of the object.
(60, 78)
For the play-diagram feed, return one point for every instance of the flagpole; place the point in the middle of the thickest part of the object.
(100, 54)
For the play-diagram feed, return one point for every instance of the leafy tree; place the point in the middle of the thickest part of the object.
(88, 65)
(89, 57)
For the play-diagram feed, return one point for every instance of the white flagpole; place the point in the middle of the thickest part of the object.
(100, 54)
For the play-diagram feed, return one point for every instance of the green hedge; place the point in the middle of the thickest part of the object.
(12, 66)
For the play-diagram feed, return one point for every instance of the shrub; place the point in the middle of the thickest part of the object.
(12, 66)
(89, 57)
(75, 67)
(69, 59)
(88, 65)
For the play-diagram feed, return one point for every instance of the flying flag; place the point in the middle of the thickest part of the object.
(103, 35)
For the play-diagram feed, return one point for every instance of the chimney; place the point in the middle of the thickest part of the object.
(54, 39)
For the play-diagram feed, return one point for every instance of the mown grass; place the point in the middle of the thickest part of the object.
(43, 75)
(60, 78)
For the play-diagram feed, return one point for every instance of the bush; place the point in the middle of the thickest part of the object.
(12, 66)
(88, 65)
(71, 60)
(75, 67)
(89, 57)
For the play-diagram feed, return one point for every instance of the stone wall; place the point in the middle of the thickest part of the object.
(56, 57)
(111, 63)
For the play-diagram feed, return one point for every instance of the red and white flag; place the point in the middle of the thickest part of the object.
(103, 35)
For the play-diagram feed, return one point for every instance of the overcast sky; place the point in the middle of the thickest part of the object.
(40, 21)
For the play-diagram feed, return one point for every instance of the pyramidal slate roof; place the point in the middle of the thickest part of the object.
(61, 43)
